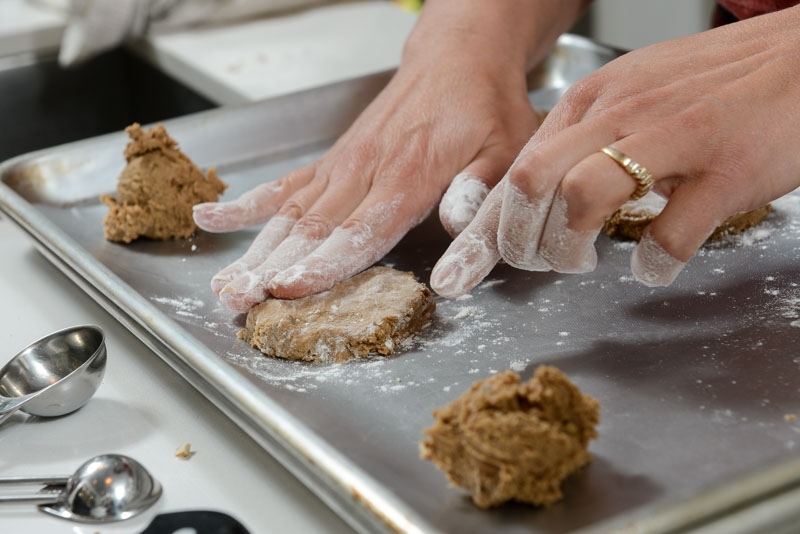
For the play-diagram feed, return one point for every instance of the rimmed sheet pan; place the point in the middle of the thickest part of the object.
(697, 382)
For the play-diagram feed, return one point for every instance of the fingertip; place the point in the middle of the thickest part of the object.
(652, 265)
(244, 291)
(448, 279)
(224, 277)
(218, 283)
(520, 229)
(468, 261)
(238, 303)
(461, 202)
(564, 249)
(201, 206)
(297, 282)
(209, 216)
(675, 234)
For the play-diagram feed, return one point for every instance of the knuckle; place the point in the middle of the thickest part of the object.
(530, 166)
(293, 208)
(583, 93)
(704, 111)
(364, 152)
(358, 158)
(294, 180)
(576, 189)
(358, 227)
(314, 225)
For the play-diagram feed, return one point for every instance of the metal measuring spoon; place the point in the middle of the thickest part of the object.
(106, 488)
(55, 375)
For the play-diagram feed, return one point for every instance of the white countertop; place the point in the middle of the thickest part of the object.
(247, 61)
(233, 64)
(144, 409)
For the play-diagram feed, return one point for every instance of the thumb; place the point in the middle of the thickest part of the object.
(462, 200)
(469, 188)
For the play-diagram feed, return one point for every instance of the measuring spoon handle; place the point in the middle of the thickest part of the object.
(40, 481)
(9, 405)
(33, 497)
(46, 482)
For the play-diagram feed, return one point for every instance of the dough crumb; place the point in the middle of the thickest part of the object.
(185, 451)
(368, 314)
(630, 220)
(507, 440)
(157, 189)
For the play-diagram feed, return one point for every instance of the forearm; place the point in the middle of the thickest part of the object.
(519, 31)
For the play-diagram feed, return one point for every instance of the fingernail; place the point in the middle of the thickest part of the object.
(564, 249)
(292, 283)
(288, 276)
(208, 215)
(218, 283)
(468, 261)
(448, 278)
(652, 265)
(244, 292)
(227, 275)
(520, 229)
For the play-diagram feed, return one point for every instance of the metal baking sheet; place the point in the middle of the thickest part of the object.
(697, 381)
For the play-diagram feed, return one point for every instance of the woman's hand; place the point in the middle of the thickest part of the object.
(715, 117)
(458, 106)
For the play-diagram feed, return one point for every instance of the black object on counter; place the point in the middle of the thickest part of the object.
(202, 521)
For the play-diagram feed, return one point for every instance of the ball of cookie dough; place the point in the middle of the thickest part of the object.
(507, 440)
(157, 190)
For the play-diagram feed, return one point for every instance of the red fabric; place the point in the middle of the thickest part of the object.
(744, 9)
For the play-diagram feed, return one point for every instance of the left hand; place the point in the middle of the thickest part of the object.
(715, 117)
(342, 213)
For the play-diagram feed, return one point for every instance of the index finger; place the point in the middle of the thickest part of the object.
(252, 207)
(473, 254)
(373, 229)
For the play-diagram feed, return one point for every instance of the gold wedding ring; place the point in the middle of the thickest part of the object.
(643, 177)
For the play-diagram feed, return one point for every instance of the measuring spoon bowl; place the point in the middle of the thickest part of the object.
(55, 375)
(107, 488)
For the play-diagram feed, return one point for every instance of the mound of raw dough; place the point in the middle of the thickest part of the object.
(157, 189)
(630, 220)
(370, 313)
(504, 440)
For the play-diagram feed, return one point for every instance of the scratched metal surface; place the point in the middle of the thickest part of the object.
(696, 381)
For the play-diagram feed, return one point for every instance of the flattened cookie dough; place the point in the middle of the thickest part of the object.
(370, 313)
(157, 189)
(504, 440)
(630, 220)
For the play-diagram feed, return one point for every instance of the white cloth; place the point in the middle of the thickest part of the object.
(98, 25)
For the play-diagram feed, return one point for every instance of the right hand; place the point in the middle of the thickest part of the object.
(717, 131)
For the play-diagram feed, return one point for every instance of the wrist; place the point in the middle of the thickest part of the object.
(516, 32)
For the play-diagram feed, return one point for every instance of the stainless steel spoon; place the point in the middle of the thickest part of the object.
(106, 488)
(55, 375)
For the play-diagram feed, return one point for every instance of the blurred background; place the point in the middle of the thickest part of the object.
(196, 55)
(631, 24)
